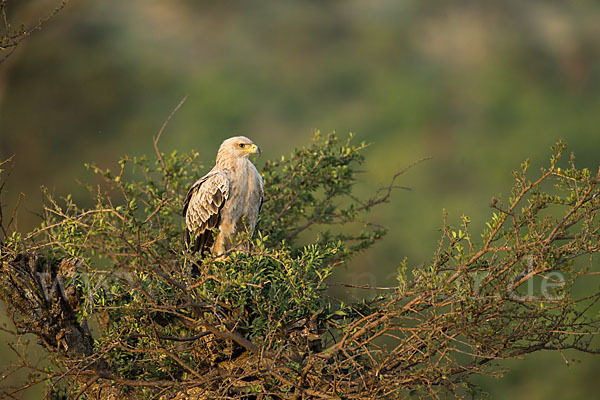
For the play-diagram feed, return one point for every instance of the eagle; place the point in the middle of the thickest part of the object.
(224, 202)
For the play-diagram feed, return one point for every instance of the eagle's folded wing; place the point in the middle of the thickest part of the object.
(202, 208)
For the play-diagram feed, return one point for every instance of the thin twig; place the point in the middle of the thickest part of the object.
(157, 138)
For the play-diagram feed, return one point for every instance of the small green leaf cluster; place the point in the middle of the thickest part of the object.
(313, 188)
(525, 286)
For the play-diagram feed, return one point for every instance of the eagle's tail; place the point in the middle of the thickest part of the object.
(200, 243)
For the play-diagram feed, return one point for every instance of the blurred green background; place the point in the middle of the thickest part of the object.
(477, 85)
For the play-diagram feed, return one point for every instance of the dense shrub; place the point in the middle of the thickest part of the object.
(109, 291)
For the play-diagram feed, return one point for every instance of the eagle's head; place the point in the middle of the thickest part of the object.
(235, 148)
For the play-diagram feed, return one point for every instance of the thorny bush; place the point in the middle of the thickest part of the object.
(108, 290)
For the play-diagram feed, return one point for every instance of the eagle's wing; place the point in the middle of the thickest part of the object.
(262, 192)
(202, 207)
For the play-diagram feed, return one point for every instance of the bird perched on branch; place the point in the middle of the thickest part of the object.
(225, 201)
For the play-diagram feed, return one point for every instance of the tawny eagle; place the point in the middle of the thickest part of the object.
(225, 201)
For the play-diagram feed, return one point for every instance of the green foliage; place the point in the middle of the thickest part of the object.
(137, 271)
(312, 188)
(265, 316)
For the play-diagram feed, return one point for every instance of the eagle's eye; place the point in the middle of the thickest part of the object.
(241, 145)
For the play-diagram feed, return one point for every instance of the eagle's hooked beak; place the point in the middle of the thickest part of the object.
(254, 149)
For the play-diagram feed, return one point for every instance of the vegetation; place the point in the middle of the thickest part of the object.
(109, 293)
(12, 34)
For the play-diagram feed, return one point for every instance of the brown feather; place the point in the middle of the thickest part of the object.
(201, 209)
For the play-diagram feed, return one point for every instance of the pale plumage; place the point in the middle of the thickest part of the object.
(225, 201)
